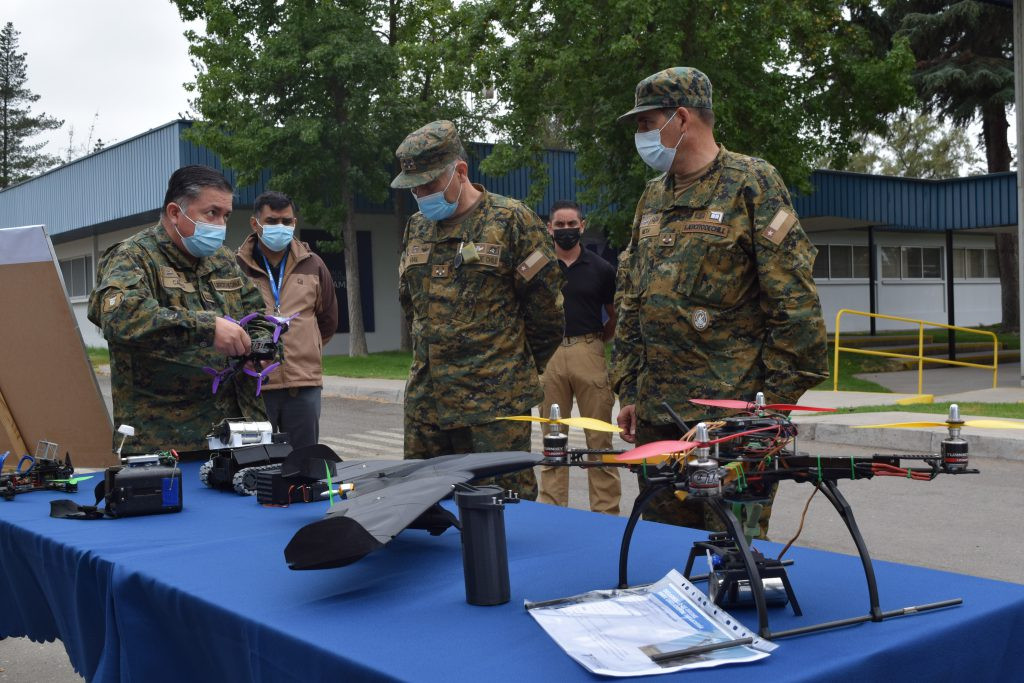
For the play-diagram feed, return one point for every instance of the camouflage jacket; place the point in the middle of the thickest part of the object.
(717, 296)
(157, 309)
(482, 329)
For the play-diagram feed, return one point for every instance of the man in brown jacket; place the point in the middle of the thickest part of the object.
(293, 280)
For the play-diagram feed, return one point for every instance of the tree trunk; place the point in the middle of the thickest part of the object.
(1006, 256)
(356, 329)
(997, 152)
(401, 217)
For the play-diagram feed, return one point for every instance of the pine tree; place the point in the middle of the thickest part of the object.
(964, 52)
(19, 158)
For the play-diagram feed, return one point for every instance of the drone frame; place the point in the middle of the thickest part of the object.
(238, 363)
(823, 472)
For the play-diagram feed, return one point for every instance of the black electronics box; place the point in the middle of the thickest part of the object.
(148, 490)
(273, 489)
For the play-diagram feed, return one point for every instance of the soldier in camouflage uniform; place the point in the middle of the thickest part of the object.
(718, 299)
(160, 300)
(481, 291)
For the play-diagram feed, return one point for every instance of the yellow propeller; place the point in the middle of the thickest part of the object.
(980, 424)
(583, 422)
(953, 421)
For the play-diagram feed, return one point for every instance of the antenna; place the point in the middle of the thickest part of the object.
(125, 431)
(675, 418)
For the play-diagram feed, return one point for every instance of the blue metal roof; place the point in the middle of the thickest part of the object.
(124, 184)
(909, 203)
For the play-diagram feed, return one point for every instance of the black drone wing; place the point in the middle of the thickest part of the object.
(389, 497)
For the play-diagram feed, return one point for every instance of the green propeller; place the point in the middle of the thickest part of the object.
(72, 480)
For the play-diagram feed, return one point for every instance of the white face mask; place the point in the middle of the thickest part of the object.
(656, 155)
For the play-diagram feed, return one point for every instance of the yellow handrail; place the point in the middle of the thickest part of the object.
(920, 357)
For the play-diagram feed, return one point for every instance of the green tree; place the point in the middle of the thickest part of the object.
(19, 158)
(321, 93)
(964, 52)
(792, 81)
(915, 145)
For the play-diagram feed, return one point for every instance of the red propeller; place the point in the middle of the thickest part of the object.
(732, 404)
(654, 449)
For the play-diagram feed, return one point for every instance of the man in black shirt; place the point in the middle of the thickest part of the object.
(578, 367)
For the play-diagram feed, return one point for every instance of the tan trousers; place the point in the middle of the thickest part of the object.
(578, 369)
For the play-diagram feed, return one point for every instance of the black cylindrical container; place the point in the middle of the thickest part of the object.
(484, 554)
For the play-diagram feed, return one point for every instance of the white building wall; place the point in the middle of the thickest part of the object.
(387, 312)
(977, 301)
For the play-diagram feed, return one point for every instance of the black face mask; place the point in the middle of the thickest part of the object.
(567, 238)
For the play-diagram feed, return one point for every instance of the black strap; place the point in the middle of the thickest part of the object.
(69, 509)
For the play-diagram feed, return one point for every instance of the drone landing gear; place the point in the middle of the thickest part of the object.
(745, 566)
(726, 582)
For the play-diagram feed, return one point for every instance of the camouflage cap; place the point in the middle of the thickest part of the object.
(425, 153)
(680, 86)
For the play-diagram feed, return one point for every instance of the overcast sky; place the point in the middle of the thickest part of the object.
(123, 59)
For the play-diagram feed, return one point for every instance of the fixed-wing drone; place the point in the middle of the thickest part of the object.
(385, 497)
(262, 349)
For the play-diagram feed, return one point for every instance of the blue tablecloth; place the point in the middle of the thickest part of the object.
(206, 595)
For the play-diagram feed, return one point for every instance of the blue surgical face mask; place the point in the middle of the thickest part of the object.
(206, 239)
(656, 155)
(276, 237)
(435, 207)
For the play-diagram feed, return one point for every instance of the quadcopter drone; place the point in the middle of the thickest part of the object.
(262, 348)
(732, 462)
(41, 472)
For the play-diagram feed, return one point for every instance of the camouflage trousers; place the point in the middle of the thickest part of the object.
(424, 440)
(666, 508)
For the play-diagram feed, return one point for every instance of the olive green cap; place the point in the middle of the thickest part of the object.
(679, 86)
(426, 153)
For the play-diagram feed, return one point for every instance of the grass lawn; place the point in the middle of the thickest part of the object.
(851, 364)
(381, 365)
(1011, 410)
(97, 355)
(1010, 340)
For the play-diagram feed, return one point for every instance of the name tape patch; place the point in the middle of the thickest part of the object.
(716, 229)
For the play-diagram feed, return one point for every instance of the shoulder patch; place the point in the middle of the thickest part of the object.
(112, 300)
(532, 265)
(780, 226)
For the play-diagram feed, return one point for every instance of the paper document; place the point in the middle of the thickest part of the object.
(623, 632)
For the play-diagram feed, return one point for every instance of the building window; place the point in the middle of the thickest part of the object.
(911, 263)
(77, 274)
(975, 264)
(841, 261)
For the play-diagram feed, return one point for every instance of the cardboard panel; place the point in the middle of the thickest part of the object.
(46, 379)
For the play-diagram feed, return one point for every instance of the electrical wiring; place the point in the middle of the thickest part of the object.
(803, 516)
